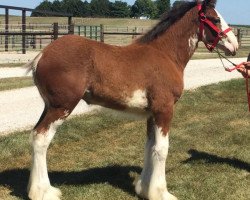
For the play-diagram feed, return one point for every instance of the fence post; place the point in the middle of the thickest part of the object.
(13, 42)
(70, 25)
(40, 40)
(85, 31)
(96, 33)
(6, 29)
(34, 40)
(239, 36)
(71, 29)
(23, 31)
(79, 30)
(90, 32)
(55, 31)
(134, 35)
(101, 33)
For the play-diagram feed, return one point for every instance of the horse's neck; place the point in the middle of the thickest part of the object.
(181, 39)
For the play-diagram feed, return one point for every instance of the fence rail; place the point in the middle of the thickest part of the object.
(13, 37)
(37, 36)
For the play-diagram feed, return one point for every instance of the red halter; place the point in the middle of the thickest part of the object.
(220, 34)
(203, 20)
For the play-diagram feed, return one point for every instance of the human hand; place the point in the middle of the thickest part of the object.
(244, 69)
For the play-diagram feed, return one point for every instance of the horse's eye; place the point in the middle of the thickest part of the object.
(217, 21)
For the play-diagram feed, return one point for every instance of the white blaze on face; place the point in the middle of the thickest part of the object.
(230, 42)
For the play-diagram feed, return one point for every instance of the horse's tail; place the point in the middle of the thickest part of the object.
(31, 65)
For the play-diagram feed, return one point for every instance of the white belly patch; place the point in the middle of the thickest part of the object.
(138, 100)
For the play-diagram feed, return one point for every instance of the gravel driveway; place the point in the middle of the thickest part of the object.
(14, 57)
(21, 109)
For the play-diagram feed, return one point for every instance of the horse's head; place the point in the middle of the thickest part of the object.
(213, 29)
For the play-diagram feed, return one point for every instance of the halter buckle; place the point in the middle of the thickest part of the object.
(203, 18)
(221, 34)
(202, 15)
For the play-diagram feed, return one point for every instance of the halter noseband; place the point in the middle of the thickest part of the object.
(204, 20)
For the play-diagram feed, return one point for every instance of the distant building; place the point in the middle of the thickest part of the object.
(143, 17)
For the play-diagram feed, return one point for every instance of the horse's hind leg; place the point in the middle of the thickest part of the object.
(39, 185)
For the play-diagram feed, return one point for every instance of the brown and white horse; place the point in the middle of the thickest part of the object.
(145, 77)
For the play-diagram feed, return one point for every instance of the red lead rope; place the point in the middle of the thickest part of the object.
(247, 81)
(248, 92)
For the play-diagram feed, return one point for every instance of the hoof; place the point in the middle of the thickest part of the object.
(161, 195)
(140, 190)
(167, 196)
(51, 193)
(154, 193)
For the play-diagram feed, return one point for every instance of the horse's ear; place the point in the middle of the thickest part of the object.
(211, 3)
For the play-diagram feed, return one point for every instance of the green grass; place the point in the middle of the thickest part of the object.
(15, 83)
(3, 65)
(98, 156)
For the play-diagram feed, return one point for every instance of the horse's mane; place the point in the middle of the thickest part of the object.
(168, 18)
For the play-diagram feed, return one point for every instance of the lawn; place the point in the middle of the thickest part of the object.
(3, 65)
(98, 156)
(15, 83)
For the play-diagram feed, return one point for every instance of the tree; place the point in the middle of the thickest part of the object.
(44, 6)
(57, 6)
(82, 8)
(144, 8)
(100, 8)
(162, 6)
(86, 10)
(73, 6)
(119, 9)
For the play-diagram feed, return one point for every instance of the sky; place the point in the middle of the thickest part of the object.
(234, 11)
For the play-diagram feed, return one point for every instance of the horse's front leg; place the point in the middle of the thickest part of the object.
(152, 183)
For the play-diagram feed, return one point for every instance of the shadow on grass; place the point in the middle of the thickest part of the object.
(117, 176)
(214, 159)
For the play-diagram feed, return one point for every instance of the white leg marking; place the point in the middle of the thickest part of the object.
(39, 185)
(152, 183)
